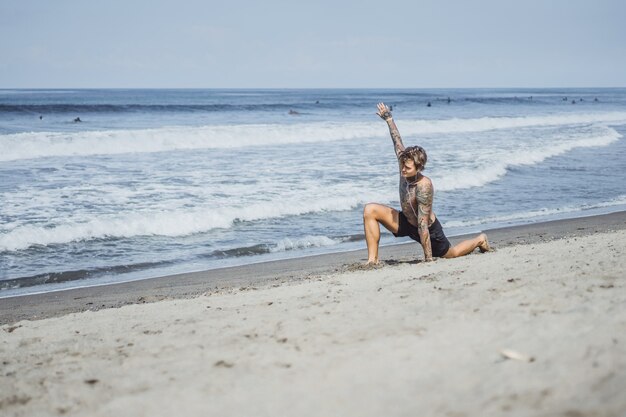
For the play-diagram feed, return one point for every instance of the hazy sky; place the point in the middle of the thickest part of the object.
(317, 43)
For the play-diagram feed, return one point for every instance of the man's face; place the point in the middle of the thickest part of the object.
(409, 169)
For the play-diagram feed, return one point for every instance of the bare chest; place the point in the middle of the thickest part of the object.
(411, 197)
(409, 201)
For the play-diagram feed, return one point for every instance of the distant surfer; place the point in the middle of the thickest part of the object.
(428, 105)
(77, 120)
(293, 112)
(416, 218)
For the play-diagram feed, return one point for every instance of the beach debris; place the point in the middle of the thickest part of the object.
(518, 356)
(10, 329)
(224, 364)
(92, 381)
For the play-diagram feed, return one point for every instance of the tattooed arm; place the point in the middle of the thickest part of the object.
(424, 208)
(385, 114)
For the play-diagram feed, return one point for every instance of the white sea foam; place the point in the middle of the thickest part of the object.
(495, 165)
(304, 242)
(178, 222)
(47, 144)
(483, 124)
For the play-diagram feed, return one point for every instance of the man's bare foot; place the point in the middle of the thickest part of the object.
(484, 246)
(372, 263)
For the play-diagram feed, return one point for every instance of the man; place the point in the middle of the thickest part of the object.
(417, 218)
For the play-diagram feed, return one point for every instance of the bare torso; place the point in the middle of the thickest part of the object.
(410, 197)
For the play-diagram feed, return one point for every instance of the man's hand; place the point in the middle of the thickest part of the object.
(383, 112)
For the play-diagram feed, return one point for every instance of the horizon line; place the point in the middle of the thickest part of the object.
(309, 88)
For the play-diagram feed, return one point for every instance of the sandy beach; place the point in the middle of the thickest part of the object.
(535, 328)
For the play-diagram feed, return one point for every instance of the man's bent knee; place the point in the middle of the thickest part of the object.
(370, 211)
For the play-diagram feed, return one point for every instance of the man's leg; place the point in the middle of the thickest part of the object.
(468, 246)
(373, 214)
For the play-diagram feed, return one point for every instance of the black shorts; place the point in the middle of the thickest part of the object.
(438, 240)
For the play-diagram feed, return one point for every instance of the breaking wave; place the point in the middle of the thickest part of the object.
(49, 144)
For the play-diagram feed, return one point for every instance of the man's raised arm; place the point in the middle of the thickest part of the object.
(385, 114)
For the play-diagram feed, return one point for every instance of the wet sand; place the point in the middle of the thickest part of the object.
(534, 328)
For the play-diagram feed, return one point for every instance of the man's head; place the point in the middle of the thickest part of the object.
(412, 160)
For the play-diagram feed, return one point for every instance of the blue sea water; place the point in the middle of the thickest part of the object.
(162, 181)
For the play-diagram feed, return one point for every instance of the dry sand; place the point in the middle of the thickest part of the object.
(529, 330)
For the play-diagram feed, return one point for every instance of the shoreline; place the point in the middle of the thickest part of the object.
(534, 328)
(457, 232)
(189, 285)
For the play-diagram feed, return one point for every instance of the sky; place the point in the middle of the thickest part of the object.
(312, 44)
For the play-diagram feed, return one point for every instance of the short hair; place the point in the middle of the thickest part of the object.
(417, 154)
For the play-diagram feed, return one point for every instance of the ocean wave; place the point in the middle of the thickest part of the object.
(497, 166)
(49, 144)
(177, 222)
(282, 245)
(483, 124)
(304, 242)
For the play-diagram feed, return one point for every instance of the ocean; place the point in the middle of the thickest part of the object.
(155, 182)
